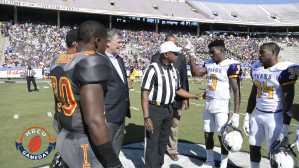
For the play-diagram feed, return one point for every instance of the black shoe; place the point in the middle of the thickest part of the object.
(37, 90)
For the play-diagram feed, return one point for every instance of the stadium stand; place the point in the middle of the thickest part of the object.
(37, 44)
(177, 9)
(198, 11)
(203, 9)
(87, 4)
(35, 41)
(223, 13)
(137, 6)
(284, 12)
(247, 12)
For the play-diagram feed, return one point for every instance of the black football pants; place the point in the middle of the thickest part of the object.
(29, 79)
(156, 142)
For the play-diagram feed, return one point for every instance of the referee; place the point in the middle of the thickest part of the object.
(159, 86)
(29, 74)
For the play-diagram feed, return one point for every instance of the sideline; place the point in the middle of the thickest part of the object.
(190, 155)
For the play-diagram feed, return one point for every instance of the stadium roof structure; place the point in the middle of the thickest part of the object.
(191, 11)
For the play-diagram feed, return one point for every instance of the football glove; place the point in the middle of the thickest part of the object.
(234, 120)
(246, 124)
(284, 136)
(190, 48)
(58, 162)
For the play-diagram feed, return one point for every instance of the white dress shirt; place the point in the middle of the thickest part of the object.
(116, 65)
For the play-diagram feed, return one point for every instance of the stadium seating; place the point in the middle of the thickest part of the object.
(207, 11)
(247, 12)
(289, 53)
(87, 4)
(137, 6)
(191, 10)
(223, 13)
(284, 12)
(178, 9)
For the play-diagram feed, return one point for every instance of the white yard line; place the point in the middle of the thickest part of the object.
(134, 108)
(16, 116)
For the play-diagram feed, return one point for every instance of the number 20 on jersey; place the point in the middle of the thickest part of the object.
(64, 94)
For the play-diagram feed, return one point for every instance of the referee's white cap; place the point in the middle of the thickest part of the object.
(169, 46)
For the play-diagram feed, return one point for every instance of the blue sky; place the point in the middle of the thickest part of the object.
(253, 1)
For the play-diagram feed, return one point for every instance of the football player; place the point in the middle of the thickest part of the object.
(222, 75)
(272, 94)
(72, 44)
(79, 81)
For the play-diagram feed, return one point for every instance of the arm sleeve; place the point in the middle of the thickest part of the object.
(233, 70)
(148, 79)
(94, 69)
(288, 76)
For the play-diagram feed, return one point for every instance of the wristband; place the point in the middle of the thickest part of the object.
(196, 96)
(109, 154)
(146, 118)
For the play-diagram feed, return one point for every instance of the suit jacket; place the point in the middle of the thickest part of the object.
(117, 101)
(181, 66)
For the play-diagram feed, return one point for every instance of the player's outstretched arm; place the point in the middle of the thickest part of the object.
(194, 70)
(92, 104)
(185, 94)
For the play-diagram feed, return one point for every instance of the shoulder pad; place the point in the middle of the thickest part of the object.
(282, 66)
(228, 62)
(53, 60)
(209, 61)
(256, 65)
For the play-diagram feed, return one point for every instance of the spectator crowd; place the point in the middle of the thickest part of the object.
(35, 44)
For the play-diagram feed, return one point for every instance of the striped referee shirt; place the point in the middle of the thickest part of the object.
(162, 81)
(29, 73)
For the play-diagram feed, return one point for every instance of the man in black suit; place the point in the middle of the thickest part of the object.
(117, 102)
(180, 65)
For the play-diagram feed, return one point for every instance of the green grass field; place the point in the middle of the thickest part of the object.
(33, 107)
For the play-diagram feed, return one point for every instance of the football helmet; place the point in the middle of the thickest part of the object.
(57, 162)
(231, 138)
(282, 156)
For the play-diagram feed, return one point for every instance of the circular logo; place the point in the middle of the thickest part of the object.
(38, 143)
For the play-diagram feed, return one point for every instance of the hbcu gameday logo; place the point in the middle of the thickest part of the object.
(34, 145)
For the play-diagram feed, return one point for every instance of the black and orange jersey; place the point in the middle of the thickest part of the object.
(71, 71)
